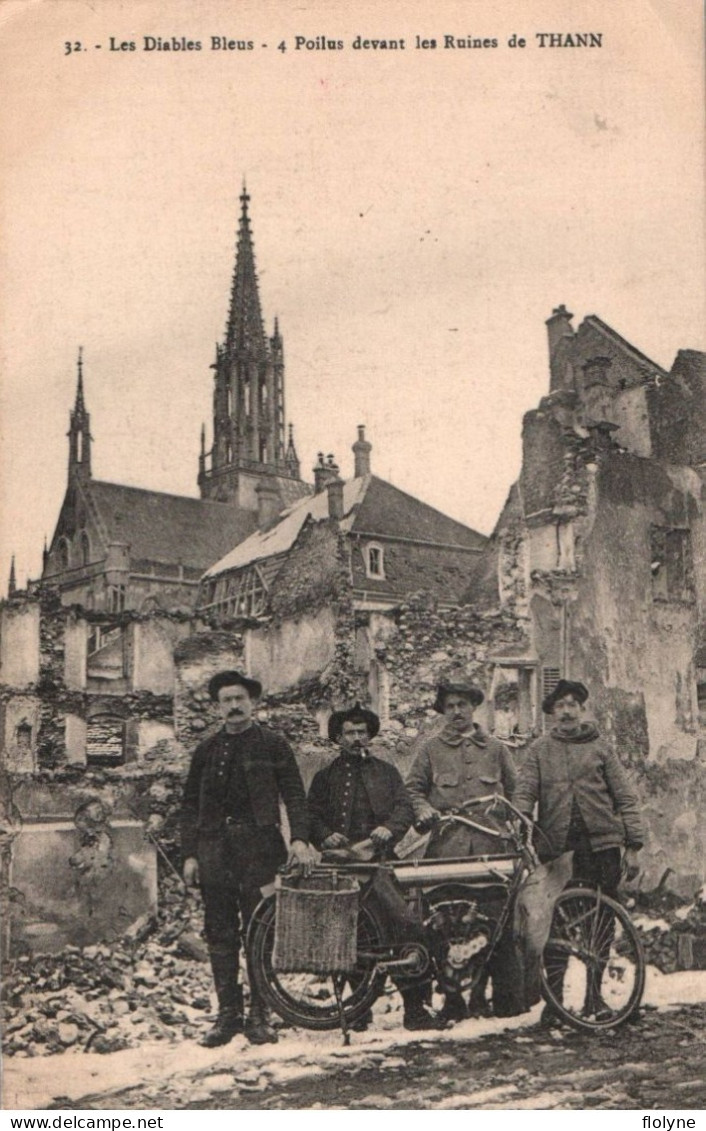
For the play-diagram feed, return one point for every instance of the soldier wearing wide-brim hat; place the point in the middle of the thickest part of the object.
(231, 839)
(360, 797)
(457, 686)
(460, 763)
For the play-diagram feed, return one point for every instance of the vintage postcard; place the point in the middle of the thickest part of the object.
(354, 435)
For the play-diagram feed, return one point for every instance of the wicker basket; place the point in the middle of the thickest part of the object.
(316, 924)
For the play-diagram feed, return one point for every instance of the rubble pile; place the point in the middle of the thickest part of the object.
(673, 931)
(153, 984)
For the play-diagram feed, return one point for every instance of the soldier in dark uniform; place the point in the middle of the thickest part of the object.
(231, 839)
(360, 797)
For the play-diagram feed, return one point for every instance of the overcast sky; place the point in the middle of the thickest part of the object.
(417, 214)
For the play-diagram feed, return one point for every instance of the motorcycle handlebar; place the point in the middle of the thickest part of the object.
(458, 814)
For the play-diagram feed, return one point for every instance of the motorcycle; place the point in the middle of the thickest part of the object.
(460, 914)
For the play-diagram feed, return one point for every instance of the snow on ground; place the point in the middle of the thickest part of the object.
(35, 1082)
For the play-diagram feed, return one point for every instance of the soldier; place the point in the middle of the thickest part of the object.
(231, 839)
(360, 797)
(585, 801)
(585, 804)
(456, 765)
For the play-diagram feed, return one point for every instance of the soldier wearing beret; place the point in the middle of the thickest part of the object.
(231, 839)
(586, 803)
(585, 806)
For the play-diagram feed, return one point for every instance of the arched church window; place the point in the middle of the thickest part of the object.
(246, 397)
(85, 548)
(263, 396)
(263, 449)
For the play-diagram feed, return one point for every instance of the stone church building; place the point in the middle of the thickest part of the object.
(117, 547)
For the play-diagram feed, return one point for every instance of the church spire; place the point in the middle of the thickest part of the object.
(248, 394)
(79, 429)
(245, 329)
(12, 584)
(291, 458)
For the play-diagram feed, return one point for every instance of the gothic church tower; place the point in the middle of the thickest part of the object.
(248, 399)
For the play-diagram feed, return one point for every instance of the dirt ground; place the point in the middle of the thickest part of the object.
(656, 1062)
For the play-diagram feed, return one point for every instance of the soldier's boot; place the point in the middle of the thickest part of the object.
(416, 1017)
(230, 1002)
(454, 1008)
(258, 1029)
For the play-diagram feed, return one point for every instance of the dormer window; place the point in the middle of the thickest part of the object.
(374, 561)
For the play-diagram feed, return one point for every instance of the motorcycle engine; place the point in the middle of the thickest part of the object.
(460, 934)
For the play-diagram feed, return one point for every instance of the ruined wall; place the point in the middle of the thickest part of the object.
(677, 409)
(19, 643)
(419, 645)
(291, 652)
(637, 653)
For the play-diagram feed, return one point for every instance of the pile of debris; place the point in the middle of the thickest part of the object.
(152, 984)
(672, 929)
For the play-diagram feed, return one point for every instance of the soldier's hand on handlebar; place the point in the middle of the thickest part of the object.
(302, 855)
(335, 840)
(381, 836)
(425, 816)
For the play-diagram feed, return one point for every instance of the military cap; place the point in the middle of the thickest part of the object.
(564, 687)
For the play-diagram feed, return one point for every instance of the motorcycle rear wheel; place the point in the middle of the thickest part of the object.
(593, 966)
(309, 1000)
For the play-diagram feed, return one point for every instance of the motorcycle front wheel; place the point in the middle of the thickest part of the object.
(593, 966)
(309, 1000)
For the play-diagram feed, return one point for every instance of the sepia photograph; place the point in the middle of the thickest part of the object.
(352, 558)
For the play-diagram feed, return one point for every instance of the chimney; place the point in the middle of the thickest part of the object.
(334, 489)
(561, 334)
(323, 472)
(269, 503)
(361, 450)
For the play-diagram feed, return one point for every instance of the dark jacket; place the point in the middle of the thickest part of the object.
(384, 787)
(451, 768)
(271, 773)
(559, 770)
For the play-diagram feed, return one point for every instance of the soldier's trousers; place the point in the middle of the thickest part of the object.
(227, 914)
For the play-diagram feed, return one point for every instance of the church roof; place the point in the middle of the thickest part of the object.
(371, 507)
(169, 528)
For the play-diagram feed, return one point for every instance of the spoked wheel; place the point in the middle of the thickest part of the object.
(309, 1000)
(593, 967)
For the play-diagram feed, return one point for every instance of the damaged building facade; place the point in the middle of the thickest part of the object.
(601, 549)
